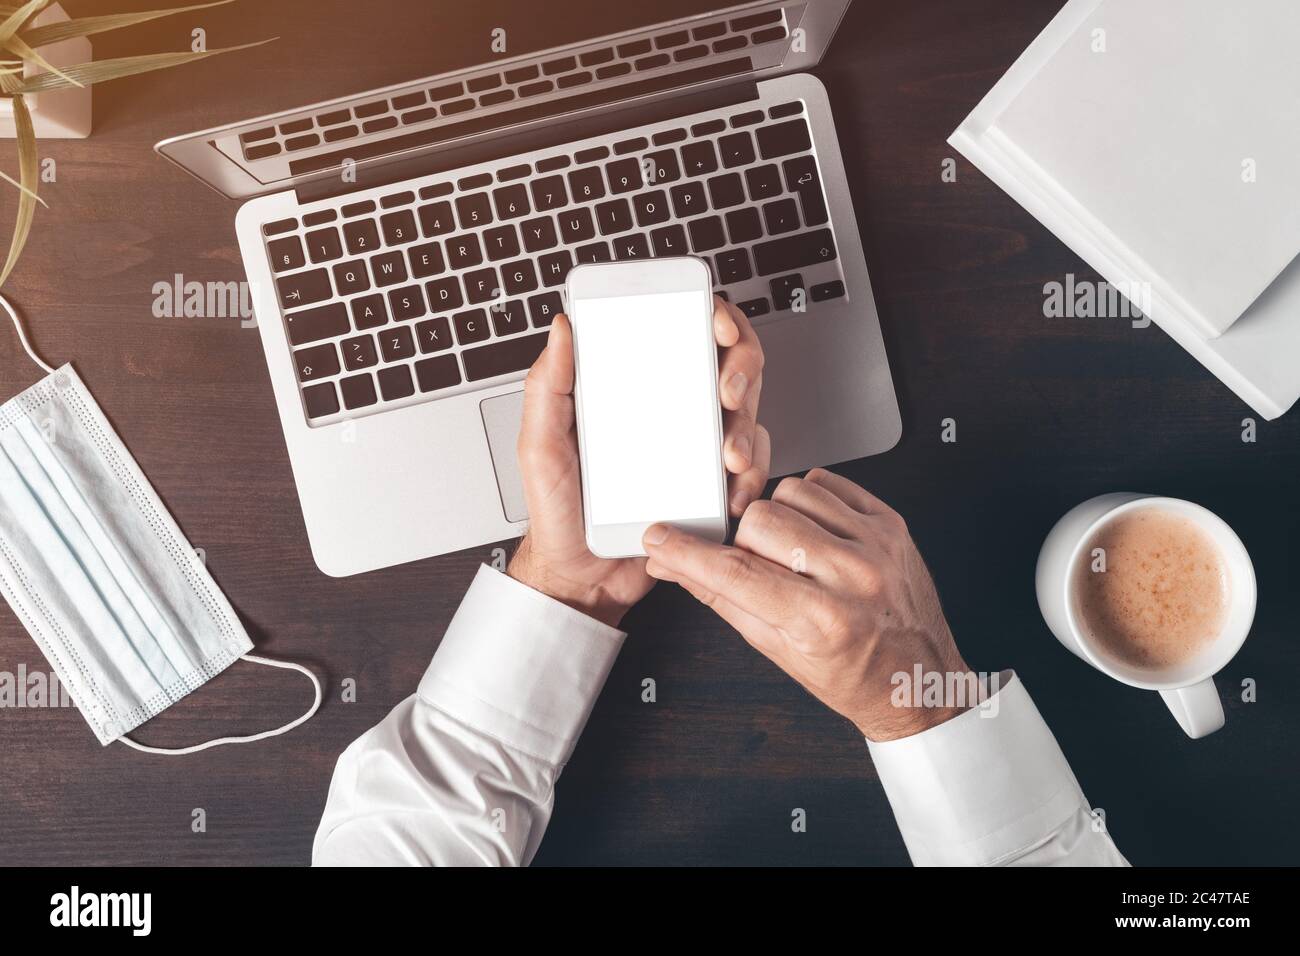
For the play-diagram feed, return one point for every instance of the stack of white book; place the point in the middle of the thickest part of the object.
(1161, 142)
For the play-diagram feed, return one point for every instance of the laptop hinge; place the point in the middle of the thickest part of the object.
(557, 131)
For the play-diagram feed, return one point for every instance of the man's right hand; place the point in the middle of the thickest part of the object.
(825, 581)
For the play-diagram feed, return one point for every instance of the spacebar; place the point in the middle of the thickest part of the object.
(509, 355)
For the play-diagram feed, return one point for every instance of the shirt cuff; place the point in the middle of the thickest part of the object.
(520, 666)
(982, 788)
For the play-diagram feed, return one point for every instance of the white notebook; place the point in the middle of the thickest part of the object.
(1161, 142)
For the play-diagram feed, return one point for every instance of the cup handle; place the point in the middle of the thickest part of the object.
(1197, 708)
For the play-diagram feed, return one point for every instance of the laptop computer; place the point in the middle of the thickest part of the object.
(406, 248)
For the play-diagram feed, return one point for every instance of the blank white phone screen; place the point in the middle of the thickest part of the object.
(648, 419)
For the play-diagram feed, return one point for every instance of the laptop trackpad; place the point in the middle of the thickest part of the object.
(501, 417)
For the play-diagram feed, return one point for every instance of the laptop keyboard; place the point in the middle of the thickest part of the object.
(445, 285)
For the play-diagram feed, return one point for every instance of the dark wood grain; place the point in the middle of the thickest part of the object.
(1049, 411)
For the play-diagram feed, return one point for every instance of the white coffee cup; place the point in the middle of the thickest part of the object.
(1187, 687)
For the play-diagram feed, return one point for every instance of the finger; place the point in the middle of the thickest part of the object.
(789, 539)
(548, 397)
(753, 584)
(741, 362)
(818, 503)
(739, 429)
(748, 485)
(725, 330)
(854, 495)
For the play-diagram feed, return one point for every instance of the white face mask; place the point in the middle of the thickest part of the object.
(98, 572)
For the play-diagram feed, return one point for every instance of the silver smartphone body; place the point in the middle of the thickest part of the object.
(649, 418)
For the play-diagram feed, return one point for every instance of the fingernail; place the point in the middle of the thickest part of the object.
(655, 534)
(743, 446)
(737, 385)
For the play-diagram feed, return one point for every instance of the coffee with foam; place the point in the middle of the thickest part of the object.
(1151, 589)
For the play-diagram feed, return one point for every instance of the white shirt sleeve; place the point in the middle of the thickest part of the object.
(991, 788)
(463, 772)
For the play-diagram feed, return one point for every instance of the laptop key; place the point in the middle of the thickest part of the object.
(699, 159)
(519, 277)
(389, 268)
(594, 252)
(753, 308)
(509, 318)
(688, 200)
(426, 260)
(395, 382)
(444, 294)
(361, 235)
(827, 290)
(554, 267)
(511, 202)
(737, 149)
(661, 167)
(764, 182)
(320, 400)
(481, 285)
(350, 277)
(359, 352)
(433, 335)
(323, 245)
(669, 241)
(576, 225)
(303, 288)
(614, 217)
(369, 312)
(781, 216)
(802, 177)
(782, 139)
(651, 208)
(539, 234)
(501, 242)
(464, 251)
(543, 309)
(514, 354)
(587, 184)
(624, 176)
(396, 344)
(706, 233)
(406, 303)
(726, 190)
(743, 225)
(733, 266)
(794, 252)
(473, 210)
(286, 253)
(471, 326)
(785, 289)
(435, 219)
(318, 361)
(399, 227)
(548, 193)
(632, 247)
(441, 371)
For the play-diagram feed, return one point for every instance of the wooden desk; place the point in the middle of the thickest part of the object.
(1049, 411)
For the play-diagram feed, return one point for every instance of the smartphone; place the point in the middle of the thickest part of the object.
(649, 418)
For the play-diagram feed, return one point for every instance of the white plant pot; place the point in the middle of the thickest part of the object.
(59, 114)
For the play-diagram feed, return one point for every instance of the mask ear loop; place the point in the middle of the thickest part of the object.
(288, 665)
(22, 335)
